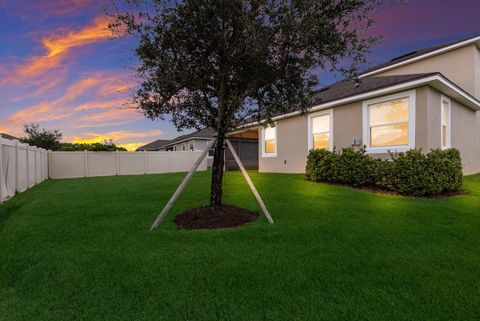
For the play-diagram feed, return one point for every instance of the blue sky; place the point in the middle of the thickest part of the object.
(60, 67)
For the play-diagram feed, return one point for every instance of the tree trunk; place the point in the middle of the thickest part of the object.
(217, 172)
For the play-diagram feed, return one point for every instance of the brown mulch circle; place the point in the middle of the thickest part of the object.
(214, 218)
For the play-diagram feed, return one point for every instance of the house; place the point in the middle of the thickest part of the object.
(424, 99)
(153, 146)
(9, 137)
(245, 146)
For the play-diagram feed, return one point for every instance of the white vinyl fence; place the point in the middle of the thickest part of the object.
(21, 167)
(89, 164)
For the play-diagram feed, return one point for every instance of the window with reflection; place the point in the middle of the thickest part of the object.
(321, 132)
(270, 140)
(388, 123)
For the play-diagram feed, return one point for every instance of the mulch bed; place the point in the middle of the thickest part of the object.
(214, 218)
(382, 191)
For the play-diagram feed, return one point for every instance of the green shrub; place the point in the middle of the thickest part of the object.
(409, 173)
(417, 174)
(355, 168)
(446, 167)
(320, 165)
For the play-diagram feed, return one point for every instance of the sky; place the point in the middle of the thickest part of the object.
(60, 66)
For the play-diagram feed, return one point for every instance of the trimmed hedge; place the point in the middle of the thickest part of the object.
(410, 173)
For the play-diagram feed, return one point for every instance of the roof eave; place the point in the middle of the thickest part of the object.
(184, 140)
(437, 81)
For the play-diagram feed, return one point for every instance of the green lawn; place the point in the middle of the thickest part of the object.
(81, 250)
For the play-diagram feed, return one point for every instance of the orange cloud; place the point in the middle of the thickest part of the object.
(57, 46)
(91, 101)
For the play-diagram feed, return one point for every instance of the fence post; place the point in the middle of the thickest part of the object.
(49, 163)
(86, 163)
(144, 161)
(35, 152)
(117, 163)
(168, 161)
(28, 166)
(1, 173)
(17, 179)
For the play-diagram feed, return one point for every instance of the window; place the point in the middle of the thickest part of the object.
(269, 142)
(191, 146)
(389, 123)
(211, 152)
(320, 130)
(445, 121)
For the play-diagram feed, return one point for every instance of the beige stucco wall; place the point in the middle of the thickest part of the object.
(292, 139)
(466, 136)
(292, 147)
(458, 65)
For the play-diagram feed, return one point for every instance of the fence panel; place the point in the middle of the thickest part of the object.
(158, 162)
(67, 164)
(31, 167)
(131, 163)
(101, 163)
(88, 164)
(20, 167)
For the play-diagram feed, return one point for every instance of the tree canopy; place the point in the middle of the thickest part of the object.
(216, 63)
(50, 139)
(43, 138)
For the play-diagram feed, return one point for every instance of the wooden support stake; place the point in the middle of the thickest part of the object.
(182, 186)
(250, 183)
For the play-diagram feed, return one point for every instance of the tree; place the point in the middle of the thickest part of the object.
(106, 146)
(43, 138)
(216, 63)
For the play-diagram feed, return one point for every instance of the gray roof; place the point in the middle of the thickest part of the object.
(153, 146)
(352, 87)
(206, 133)
(7, 136)
(416, 53)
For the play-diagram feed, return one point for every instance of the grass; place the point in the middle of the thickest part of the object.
(81, 250)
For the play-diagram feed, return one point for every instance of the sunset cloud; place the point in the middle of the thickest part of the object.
(94, 100)
(56, 47)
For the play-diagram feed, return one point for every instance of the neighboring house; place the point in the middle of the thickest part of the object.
(157, 145)
(9, 137)
(245, 146)
(425, 99)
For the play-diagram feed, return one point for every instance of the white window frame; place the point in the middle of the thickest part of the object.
(449, 122)
(264, 154)
(328, 112)
(411, 95)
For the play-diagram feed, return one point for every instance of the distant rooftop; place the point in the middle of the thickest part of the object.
(7, 136)
(206, 133)
(153, 146)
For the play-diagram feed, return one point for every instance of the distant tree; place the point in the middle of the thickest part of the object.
(215, 63)
(106, 146)
(43, 138)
